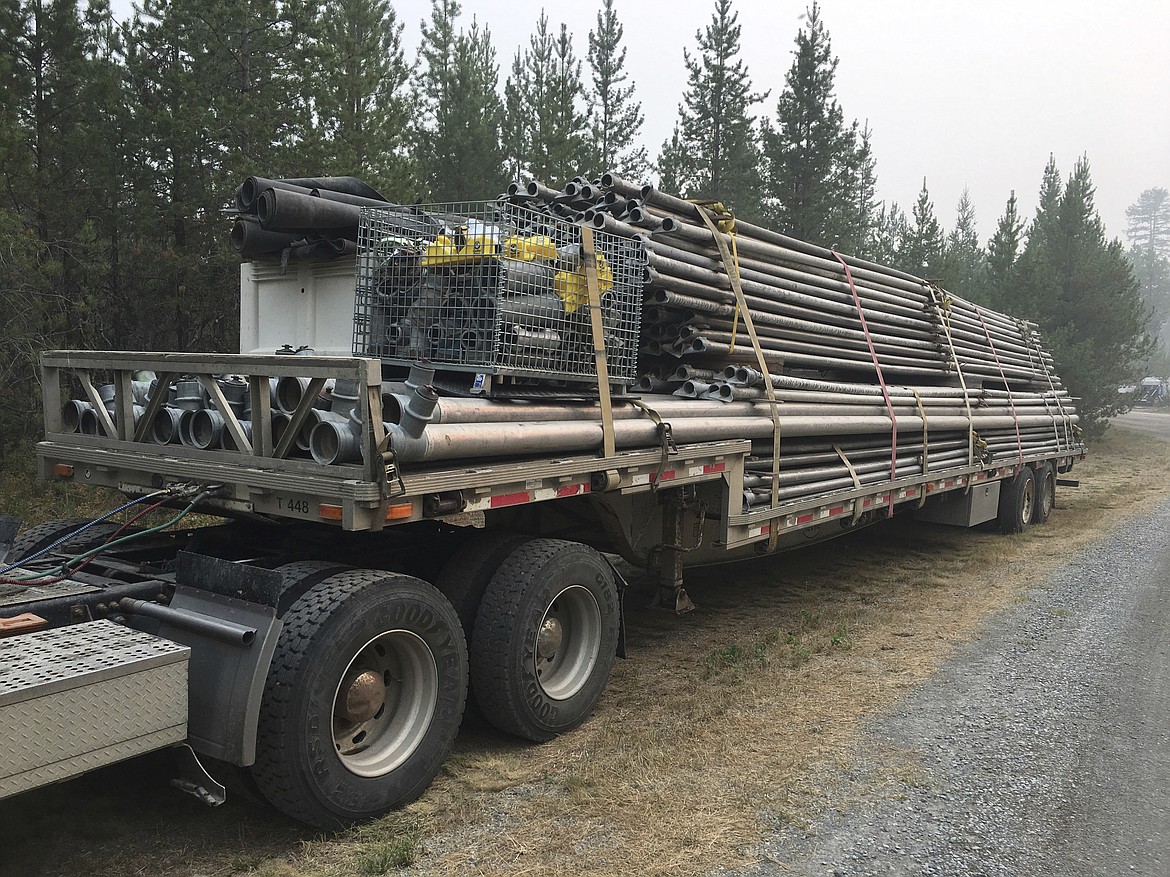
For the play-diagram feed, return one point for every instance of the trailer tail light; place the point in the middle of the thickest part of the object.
(400, 512)
(63, 470)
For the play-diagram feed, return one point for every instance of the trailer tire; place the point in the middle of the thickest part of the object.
(1045, 476)
(300, 575)
(1017, 502)
(545, 638)
(373, 663)
(465, 577)
(40, 537)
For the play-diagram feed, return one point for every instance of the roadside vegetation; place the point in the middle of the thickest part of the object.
(721, 725)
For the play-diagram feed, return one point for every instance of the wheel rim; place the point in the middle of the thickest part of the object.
(384, 703)
(568, 642)
(1029, 499)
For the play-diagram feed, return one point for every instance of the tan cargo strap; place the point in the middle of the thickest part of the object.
(379, 439)
(589, 257)
(877, 367)
(858, 511)
(665, 440)
(721, 233)
(942, 301)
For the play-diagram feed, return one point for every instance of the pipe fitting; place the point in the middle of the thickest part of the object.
(72, 414)
(164, 430)
(206, 429)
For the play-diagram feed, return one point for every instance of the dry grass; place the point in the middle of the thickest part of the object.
(721, 725)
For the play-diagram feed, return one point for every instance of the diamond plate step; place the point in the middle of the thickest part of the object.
(76, 698)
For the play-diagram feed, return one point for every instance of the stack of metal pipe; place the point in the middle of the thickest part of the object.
(964, 385)
(864, 372)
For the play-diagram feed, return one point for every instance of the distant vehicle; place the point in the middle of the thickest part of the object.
(1152, 393)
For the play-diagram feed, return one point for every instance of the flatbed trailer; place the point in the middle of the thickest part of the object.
(417, 550)
(320, 637)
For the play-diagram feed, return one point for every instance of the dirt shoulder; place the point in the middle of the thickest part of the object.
(721, 727)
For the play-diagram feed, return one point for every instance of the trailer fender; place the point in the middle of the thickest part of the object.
(225, 681)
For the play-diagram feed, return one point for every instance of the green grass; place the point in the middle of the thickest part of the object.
(384, 856)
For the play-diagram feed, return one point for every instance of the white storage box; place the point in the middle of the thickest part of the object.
(310, 305)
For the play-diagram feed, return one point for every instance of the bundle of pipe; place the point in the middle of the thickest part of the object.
(310, 218)
(807, 308)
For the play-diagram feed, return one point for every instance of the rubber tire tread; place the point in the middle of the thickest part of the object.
(1041, 514)
(465, 577)
(43, 535)
(496, 679)
(308, 639)
(1011, 502)
(299, 576)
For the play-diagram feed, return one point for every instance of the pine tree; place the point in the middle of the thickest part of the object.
(62, 86)
(205, 113)
(963, 259)
(545, 93)
(890, 229)
(675, 165)
(516, 125)
(615, 118)
(1003, 249)
(1080, 288)
(1153, 273)
(473, 165)
(360, 99)
(1148, 222)
(719, 154)
(920, 250)
(821, 170)
(458, 143)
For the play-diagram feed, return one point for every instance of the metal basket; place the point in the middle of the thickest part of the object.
(484, 288)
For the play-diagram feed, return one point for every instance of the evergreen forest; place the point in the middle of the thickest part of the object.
(121, 144)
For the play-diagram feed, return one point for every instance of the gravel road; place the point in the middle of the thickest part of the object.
(1042, 748)
(1150, 422)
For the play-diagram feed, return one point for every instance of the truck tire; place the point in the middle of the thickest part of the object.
(465, 577)
(363, 699)
(463, 580)
(545, 638)
(40, 537)
(300, 575)
(1045, 476)
(1017, 502)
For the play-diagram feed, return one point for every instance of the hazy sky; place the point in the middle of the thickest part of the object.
(972, 94)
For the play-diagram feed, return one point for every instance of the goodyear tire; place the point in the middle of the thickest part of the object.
(465, 577)
(545, 638)
(363, 699)
(1017, 502)
(1045, 476)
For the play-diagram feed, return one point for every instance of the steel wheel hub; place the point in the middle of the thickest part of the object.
(549, 639)
(568, 642)
(384, 703)
(365, 695)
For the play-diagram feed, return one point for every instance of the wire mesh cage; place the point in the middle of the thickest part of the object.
(495, 289)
